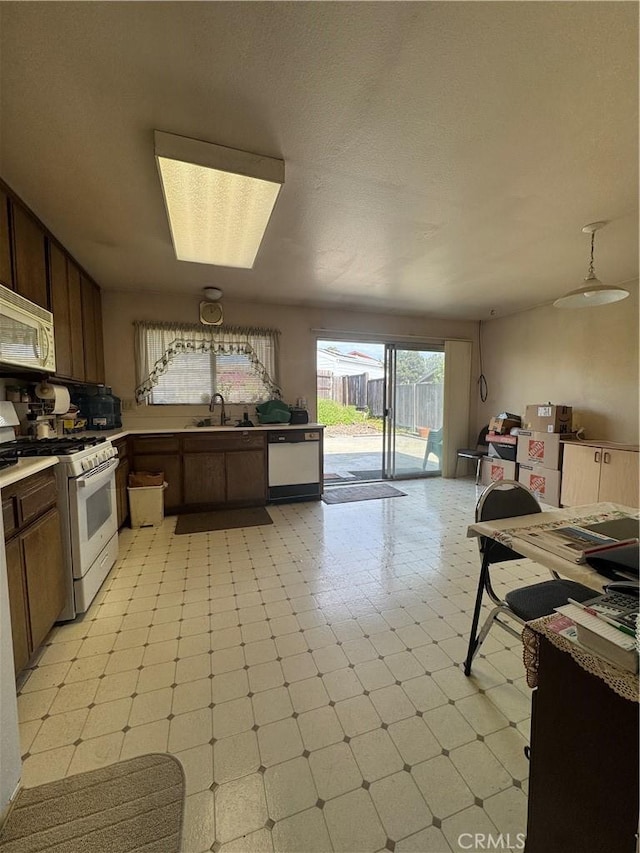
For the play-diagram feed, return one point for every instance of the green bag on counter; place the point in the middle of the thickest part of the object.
(273, 412)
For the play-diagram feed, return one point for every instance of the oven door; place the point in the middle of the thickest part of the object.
(92, 500)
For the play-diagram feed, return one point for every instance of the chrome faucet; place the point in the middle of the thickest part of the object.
(212, 403)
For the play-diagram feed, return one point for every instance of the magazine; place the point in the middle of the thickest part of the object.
(573, 542)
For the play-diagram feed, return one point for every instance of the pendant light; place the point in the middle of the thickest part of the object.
(593, 291)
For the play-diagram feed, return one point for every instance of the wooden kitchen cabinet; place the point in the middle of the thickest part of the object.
(6, 274)
(224, 469)
(122, 481)
(206, 470)
(620, 477)
(246, 477)
(89, 337)
(599, 472)
(38, 579)
(18, 605)
(75, 321)
(46, 585)
(36, 265)
(29, 257)
(204, 479)
(583, 778)
(59, 293)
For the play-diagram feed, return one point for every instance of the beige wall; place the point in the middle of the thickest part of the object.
(297, 342)
(586, 358)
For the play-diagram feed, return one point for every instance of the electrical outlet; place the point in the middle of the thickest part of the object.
(127, 404)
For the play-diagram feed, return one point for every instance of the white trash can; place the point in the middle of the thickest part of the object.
(146, 505)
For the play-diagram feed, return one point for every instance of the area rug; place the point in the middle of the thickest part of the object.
(333, 477)
(134, 805)
(222, 519)
(370, 474)
(346, 494)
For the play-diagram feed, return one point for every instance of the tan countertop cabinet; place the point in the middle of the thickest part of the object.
(600, 471)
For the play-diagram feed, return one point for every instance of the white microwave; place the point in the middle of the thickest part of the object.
(26, 333)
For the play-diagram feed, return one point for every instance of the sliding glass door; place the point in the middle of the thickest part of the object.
(413, 411)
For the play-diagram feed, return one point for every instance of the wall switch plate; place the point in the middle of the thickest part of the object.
(127, 404)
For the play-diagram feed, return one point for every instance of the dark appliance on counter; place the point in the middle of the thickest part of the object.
(102, 409)
(299, 416)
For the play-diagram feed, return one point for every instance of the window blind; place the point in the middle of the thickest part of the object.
(187, 363)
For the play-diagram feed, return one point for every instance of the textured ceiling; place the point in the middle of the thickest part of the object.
(441, 158)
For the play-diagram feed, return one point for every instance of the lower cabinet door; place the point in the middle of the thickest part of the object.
(18, 606)
(44, 573)
(619, 477)
(580, 474)
(246, 480)
(204, 478)
(171, 465)
(122, 504)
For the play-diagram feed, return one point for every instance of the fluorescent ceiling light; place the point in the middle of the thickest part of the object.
(219, 200)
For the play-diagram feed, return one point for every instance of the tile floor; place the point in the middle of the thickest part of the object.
(306, 674)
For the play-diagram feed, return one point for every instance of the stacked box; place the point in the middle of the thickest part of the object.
(493, 470)
(539, 448)
(543, 482)
(548, 418)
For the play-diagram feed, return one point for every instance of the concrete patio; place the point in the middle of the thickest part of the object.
(347, 455)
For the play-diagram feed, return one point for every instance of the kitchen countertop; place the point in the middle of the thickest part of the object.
(123, 432)
(25, 468)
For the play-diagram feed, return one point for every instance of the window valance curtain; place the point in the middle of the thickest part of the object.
(157, 344)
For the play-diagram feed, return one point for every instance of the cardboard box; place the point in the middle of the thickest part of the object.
(495, 438)
(539, 448)
(494, 470)
(543, 482)
(547, 418)
(502, 451)
(503, 425)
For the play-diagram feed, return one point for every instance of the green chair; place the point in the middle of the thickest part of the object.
(434, 445)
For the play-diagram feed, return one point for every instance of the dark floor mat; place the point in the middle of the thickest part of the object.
(346, 494)
(222, 519)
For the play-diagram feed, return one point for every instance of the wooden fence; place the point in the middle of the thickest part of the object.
(417, 405)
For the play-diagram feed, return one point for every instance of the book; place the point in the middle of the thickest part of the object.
(575, 542)
(617, 608)
(601, 638)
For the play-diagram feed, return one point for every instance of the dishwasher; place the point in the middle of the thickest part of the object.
(294, 465)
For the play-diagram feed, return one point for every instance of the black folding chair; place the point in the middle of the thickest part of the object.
(507, 499)
(477, 455)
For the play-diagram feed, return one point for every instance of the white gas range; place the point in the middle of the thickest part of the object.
(85, 475)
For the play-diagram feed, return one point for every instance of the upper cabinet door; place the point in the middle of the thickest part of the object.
(97, 307)
(89, 330)
(6, 275)
(59, 290)
(75, 321)
(30, 270)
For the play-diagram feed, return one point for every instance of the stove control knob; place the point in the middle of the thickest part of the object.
(85, 464)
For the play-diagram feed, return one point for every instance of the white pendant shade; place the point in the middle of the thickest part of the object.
(218, 200)
(593, 292)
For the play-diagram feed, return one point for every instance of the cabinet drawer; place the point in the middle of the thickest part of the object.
(155, 444)
(9, 516)
(36, 498)
(240, 440)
